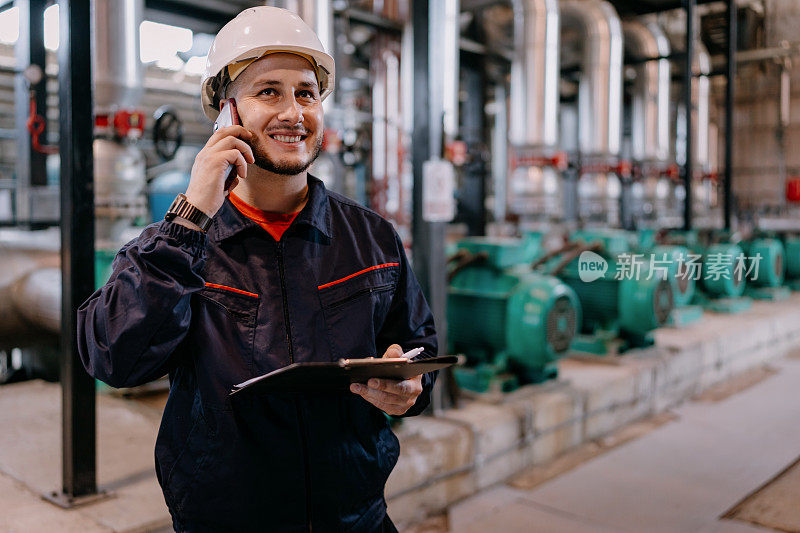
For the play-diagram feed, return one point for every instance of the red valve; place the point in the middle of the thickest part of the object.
(129, 123)
(793, 189)
(456, 152)
(559, 161)
(36, 124)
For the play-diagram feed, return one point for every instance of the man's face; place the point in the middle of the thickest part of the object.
(278, 101)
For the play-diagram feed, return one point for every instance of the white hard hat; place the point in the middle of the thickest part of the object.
(255, 32)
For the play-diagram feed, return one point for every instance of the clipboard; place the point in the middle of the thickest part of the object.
(337, 376)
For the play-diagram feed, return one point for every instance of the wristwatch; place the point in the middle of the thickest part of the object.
(182, 208)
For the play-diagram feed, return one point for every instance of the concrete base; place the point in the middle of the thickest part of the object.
(533, 425)
(684, 316)
(768, 293)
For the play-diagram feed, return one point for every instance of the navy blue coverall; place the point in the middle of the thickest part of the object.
(218, 309)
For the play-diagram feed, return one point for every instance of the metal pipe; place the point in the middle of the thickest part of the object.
(24, 253)
(500, 153)
(444, 77)
(117, 68)
(450, 54)
(784, 108)
(701, 96)
(534, 94)
(650, 106)
(37, 296)
(600, 91)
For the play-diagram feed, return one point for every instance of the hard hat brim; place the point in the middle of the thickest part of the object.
(325, 72)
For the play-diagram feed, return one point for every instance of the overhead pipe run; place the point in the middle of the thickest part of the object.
(701, 94)
(600, 92)
(650, 105)
(533, 120)
(118, 72)
(649, 113)
(599, 109)
(534, 188)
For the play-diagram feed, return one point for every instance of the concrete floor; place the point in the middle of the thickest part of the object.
(681, 474)
(30, 464)
(680, 477)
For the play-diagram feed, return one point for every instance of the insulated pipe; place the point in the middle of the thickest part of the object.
(444, 73)
(600, 90)
(37, 296)
(117, 69)
(535, 74)
(451, 32)
(500, 153)
(650, 106)
(700, 99)
(24, 255)
(701, 89)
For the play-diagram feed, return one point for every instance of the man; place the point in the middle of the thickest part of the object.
(288, 272)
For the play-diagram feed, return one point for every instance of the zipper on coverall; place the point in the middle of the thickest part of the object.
(297, 400)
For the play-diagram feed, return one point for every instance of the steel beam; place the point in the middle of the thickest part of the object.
(420, 141)
(77, 245)
(729, 101)
(639, 7)
(428, 237)
(688, 169)
(472, 193)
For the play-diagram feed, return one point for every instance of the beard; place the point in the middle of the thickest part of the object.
(284, 168)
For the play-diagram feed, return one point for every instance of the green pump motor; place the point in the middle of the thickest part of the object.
(625, 309)
(791, 245)
(765, 262)
(511, 323)
(676, 264)
(723, 275)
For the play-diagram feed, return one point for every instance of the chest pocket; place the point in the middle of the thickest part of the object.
(238, 304)
(355, 309)
(225, 321)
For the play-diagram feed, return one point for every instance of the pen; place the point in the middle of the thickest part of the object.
(413, 353)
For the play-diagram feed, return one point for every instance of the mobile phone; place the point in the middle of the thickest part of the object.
(228, 116)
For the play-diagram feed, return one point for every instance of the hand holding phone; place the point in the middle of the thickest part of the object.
(221, 162)
(228, 116)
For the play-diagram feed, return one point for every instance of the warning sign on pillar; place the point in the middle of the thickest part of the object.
(438, 187)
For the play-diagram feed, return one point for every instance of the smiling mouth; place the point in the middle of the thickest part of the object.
(288, 138)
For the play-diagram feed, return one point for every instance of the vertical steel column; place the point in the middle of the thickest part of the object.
(472, 193)
(29, 50)
(730, 87)
(420, 141)
(77, 243)
(691, 7)
(428, 237)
